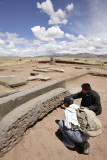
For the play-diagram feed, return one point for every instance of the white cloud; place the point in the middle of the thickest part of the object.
(12, 39)
(50, 34)
(56, 17)
(96, 45)
(45, 43)
(2, 42)
(92, 36)
(46, 6)
(70, 36)
(9, 42)
(70, 7)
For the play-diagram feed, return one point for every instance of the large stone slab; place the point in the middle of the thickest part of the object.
(43, 67)
(9, 103)
(39, 77)
(50, 69)
(14, 124)
(56, 69)
(13, 81)
(42, 70)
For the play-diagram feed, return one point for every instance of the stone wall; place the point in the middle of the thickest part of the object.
(15, 123)
(10, 102)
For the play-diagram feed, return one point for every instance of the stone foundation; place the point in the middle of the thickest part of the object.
(15, 123)
(10, 102)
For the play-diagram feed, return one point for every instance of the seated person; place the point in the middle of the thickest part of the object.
(70, 127)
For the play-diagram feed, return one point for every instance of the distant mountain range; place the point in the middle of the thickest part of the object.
(79, 55)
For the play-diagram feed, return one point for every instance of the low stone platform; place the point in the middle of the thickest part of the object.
(56, 69)
(10, 102)
(13, 81)
(15, 123)
(39, 77)
(42, 70)
(48, 69)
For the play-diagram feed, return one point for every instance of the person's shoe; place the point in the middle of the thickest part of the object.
(68, 145)
(86, 148)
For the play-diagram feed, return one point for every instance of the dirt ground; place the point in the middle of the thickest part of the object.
(26, 68)
(42, 141)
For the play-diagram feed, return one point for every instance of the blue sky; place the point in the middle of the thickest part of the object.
(38, 27)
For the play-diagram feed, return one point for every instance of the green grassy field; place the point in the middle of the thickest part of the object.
(7, 61)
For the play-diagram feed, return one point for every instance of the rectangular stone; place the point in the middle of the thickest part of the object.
(34, 73)
(56, 69)
(10, 102)
(43, 67)
(39, 77)
(42, 70)
(13, 81)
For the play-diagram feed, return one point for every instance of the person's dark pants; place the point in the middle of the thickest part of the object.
(72, 136)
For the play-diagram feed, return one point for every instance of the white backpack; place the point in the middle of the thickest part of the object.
(89, 123)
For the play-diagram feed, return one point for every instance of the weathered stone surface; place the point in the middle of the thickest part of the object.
(42, 70)
(39, 77)
(4, 94)
(9, 103)
(34, 73)
(14, 124)
(52, 61)
(48, 69)
(56, 69)
(12, 81)
(43, 67)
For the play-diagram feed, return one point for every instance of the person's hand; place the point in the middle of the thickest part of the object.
(61, 103)
(62, 99)
(62, 107)
(84, 107)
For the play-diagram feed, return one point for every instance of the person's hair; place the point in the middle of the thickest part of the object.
(68, 100)
(86, 86)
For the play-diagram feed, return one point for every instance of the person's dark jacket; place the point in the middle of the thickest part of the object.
(90, 100)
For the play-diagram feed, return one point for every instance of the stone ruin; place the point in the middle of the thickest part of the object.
(52, 61)
(23, 109)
